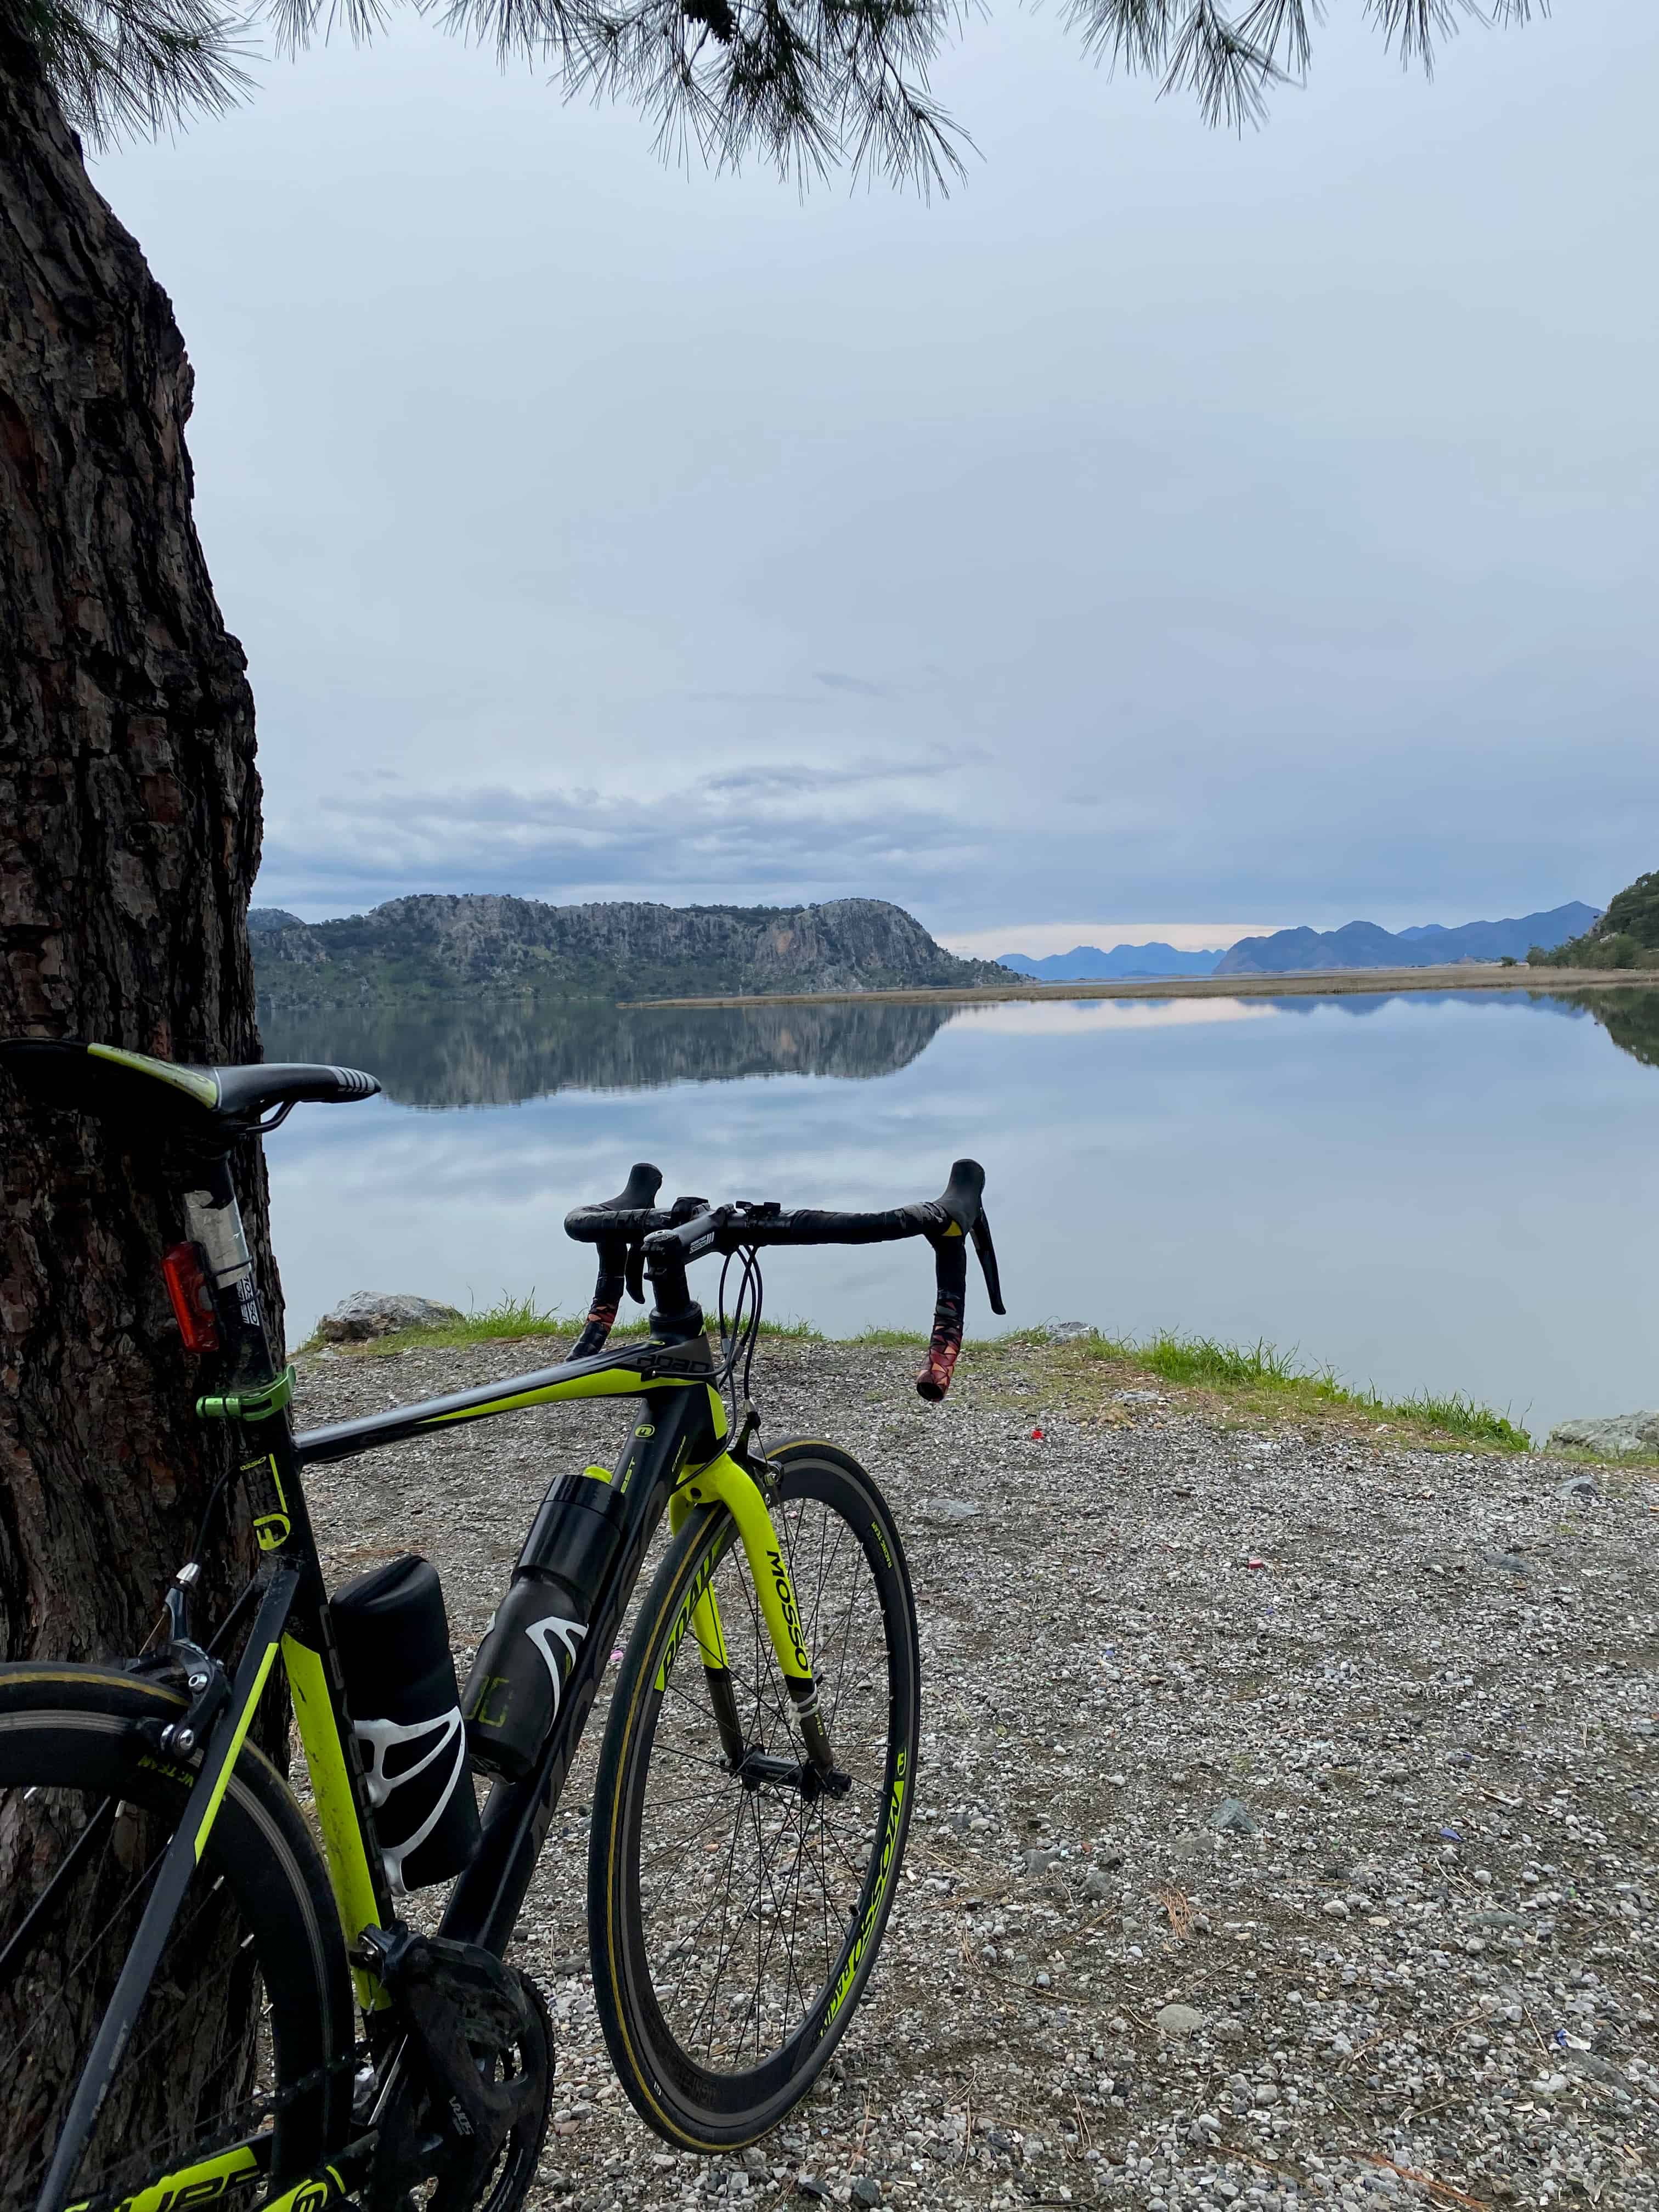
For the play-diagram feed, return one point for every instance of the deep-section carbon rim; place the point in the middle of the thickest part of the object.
(734, 1927)
(247, 2025)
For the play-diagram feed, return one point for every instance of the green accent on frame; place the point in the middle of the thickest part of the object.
(256, 1404)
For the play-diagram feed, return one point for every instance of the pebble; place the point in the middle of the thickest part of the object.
(1328, 1700)
(1232, 1818)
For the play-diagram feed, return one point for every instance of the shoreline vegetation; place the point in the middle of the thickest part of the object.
(1624, 938)
(1087, 1374)
(1334, 982)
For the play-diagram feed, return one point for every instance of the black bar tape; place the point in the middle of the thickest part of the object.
(951, 1267)
(607, 1296)
(605, 1225)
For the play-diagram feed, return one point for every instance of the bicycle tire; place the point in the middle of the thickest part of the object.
(642, 1954)
(259, 1920)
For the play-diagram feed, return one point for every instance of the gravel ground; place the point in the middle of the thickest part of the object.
(1285, 1831)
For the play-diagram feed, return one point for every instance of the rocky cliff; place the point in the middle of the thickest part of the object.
(434, 947)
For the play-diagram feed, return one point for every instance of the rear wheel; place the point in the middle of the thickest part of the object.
(734, 1922)
(239, 2060)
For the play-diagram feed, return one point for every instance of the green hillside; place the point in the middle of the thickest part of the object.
(1626, 936)
(432, 949)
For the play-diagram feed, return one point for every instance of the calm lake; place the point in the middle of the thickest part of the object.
(1425, 1191)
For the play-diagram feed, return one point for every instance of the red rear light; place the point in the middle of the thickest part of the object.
(192, 1300)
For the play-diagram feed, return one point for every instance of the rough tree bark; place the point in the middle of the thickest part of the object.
(129, 838)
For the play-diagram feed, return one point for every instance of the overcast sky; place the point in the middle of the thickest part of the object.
(1168, 524)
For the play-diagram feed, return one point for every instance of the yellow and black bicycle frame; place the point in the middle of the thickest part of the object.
(676, 1460)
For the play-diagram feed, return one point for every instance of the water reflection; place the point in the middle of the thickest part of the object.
(1428, 1191)
(501, 1051)
(1631, 1018)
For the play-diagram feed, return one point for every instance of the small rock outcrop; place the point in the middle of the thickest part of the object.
(1614, 1435)
(367, 1313)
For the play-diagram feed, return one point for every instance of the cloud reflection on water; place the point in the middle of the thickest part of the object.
(1430, 1191)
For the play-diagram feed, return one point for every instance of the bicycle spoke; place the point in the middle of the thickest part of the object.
(739, 1970)
(62, 1974)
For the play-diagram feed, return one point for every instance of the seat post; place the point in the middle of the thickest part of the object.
(213, 1219)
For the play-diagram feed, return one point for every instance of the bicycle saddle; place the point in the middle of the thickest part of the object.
(206, 1107)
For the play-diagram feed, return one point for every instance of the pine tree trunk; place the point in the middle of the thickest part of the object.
(129, 838)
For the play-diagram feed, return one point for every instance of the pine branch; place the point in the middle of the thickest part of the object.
(1414, 25)
(126, 69)
(805, 86)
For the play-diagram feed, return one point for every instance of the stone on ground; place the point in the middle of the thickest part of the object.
(367, 1313)
(1614, 1435)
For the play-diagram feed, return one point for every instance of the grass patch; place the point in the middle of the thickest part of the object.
(1460, 1416)
(513, 1319)
(1270, 1383)
(507, 1317)
(1263, 1370)
(1201, 1359)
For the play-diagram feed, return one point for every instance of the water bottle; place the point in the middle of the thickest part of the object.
(519, 1678)
(394, 1640)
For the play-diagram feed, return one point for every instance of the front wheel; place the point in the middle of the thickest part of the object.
(734, 1921)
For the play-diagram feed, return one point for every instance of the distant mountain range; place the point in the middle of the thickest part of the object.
(411, 951)
(436, 947)
(1287, 952)
(1363, 944)
(1087, 963)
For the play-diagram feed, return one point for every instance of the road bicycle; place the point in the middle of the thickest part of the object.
(200, 1995)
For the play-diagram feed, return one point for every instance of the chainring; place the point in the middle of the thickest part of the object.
(477, 2085)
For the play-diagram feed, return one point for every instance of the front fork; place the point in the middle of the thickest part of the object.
(723, 1481)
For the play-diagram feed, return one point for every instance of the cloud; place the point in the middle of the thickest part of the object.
(1004, 557)
(799, 780)
(836, 682)
(789, 832)
(1070, 1017)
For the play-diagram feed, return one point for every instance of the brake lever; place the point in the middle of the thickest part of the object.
(988, 1261)
(634, 1272)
